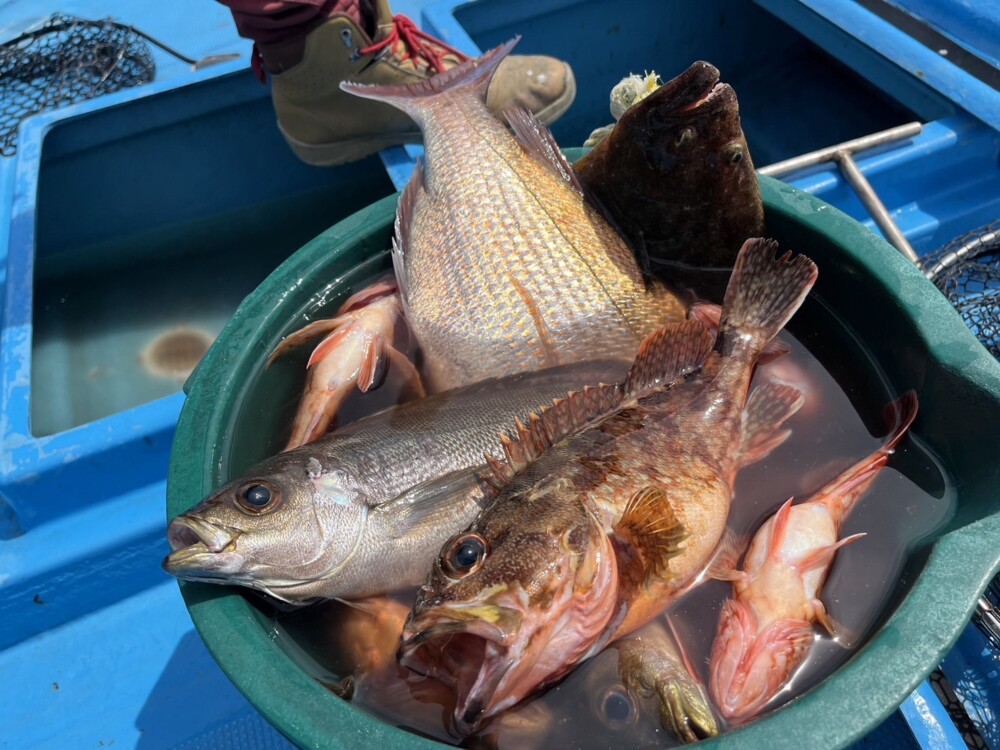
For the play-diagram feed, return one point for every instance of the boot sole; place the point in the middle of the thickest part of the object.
(348, 150)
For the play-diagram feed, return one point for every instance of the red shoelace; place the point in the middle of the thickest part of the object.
(416, 44)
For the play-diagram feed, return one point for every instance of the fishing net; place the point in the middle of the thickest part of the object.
(66, 60)
(967, 271)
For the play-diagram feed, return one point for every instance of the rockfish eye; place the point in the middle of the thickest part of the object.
(685, 137)
(258, 497)
(617, 708)
(465, 554)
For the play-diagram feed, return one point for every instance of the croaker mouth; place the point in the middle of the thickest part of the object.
(202, 551)
(188, 531)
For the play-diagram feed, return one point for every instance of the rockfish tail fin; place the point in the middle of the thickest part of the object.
(763, 294)
(473, 75)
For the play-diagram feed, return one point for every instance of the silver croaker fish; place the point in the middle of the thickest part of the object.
(611, 502)
(364, 510)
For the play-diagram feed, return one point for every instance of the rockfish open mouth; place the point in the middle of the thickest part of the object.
(201, 550)
(696, 88)
(469, 656)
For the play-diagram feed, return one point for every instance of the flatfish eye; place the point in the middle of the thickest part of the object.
(258, 497)
(617, 709)
(732, 154)
(465, 554)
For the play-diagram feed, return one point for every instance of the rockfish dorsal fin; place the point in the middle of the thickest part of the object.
(549, 426)
(538, 141)
(650, 532)
(669, 353)
(473, 75)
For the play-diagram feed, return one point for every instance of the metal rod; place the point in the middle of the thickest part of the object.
(876, 208)
(827, 154)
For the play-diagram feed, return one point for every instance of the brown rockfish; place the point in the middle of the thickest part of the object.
(365, 509)
(502, 263)
(766, 629)
(610, 503)
(676, 174)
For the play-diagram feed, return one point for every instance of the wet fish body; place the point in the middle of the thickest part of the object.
(599, 524)
(766, 629)
(677, 175)
(364, 510)
(503, 264)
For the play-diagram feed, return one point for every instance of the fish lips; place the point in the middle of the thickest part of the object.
(465, 651)
(202, 551)
(696, 90)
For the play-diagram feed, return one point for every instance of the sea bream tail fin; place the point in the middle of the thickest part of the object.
(763, 294)
(474, 75)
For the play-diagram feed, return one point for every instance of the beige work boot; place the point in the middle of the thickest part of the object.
(326, 126)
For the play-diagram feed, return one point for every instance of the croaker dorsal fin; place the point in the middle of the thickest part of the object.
(669, 353)
(651, 531)
(474, 74)
(547, 427)
(538, 141)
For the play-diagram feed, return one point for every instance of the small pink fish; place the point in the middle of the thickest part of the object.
(356, 352)
(765, 631)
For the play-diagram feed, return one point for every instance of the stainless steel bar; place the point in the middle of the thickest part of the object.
(897, 133)
(876, 208)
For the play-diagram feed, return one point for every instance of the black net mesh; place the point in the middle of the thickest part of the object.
(66, 60)
(967, 271)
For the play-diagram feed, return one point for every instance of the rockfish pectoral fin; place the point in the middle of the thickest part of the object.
(648, 534)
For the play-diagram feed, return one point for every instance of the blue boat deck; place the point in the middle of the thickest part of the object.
(97, 647)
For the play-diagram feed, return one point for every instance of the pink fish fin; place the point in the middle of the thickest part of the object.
(763, 294)
(769, 406)
(409, 372)
(823, 556)
(899, 415)
(373, 364)
(839, 633)
(314, 416)
(306, 333)
(711, 314)
(650, 532)
(330, 343)
(549, 426)
(842, 493)
(779, 527)
(402, 232)
(381, 288)
(727, 555)
(537, 141)
(474, 75)
(668, 354)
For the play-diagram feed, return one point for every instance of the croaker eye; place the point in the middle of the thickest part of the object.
(617, 708)
(258, 497)
(685, 136)
(465, 554)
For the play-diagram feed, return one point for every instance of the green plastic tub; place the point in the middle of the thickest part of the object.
(919, 341)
